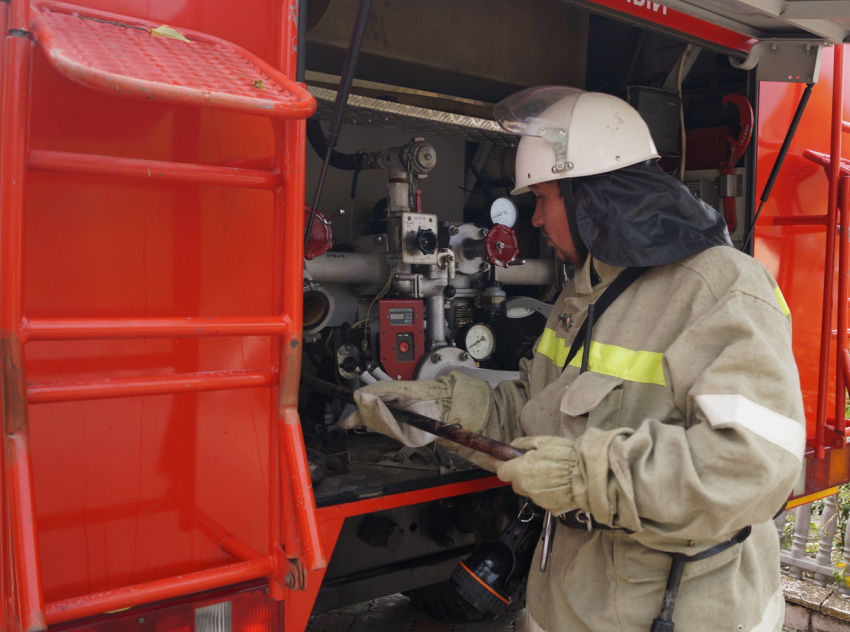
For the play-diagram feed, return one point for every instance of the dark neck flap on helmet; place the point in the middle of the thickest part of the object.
(640, 216)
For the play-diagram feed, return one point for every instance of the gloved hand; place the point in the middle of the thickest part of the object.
(372, 413)
(455, 398)
(544, 473)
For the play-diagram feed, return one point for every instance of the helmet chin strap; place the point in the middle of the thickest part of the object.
(566, 187)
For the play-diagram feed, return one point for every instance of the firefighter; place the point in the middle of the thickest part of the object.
(680, 434)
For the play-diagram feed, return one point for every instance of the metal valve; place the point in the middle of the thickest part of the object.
(321, 236)
(501, 245)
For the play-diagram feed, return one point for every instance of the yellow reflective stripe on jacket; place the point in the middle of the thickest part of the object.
(553, 347)
(634, 366)
(782, 304)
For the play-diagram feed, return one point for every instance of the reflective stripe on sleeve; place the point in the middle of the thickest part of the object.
(782, 431)
(634, 366)
(782, 304)
(553, 347)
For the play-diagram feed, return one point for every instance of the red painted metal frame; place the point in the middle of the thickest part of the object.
(56, 24)
(841, 347)
(106, 328)
(294, 542)
(821, 430)
(65, 162)
(51, 392)
(673, 21)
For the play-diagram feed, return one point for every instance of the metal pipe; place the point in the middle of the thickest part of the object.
(302, 489)
(532, 272)
(341, 101)
(20, 500)
(453, 432)
(829, 262)
(357, 268)
(841, 347)
(158, 590)
(435, 307)
(240, 550)
(107, 328)
(50, 392)
(151, 170)
(347, 267)
(280, 532)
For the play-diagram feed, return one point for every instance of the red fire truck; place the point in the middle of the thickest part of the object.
(161, 468)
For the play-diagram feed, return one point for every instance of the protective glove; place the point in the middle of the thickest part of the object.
(372, 413)
(544, 473)
(455, 398)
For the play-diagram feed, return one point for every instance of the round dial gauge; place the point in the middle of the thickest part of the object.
(503, 211)
(479, 341)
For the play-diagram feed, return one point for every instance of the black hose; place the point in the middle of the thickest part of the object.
(338, 160)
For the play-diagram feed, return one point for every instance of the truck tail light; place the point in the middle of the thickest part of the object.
(216, 617)
(249, 610)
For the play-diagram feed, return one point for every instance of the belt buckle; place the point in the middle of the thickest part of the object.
(586, 518)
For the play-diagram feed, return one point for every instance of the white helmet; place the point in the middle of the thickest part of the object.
(570, 133)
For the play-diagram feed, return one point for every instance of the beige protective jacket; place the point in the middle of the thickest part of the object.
(688, 426)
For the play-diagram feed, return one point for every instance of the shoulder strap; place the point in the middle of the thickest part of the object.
(611, 294)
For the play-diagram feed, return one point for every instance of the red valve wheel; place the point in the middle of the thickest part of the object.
(501, 245)
(321, 236)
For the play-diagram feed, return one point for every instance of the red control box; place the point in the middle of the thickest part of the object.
(402, 336)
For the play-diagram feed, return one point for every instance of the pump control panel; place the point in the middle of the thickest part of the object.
(401, 336)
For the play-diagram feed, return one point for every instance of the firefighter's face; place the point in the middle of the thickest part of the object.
(551, 217)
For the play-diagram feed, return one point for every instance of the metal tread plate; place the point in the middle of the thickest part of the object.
(119, 55)
(411, 119)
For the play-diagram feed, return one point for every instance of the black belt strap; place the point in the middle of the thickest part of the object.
(664, 621)
(611, 294)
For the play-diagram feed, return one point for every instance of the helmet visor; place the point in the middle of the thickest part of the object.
(527, 112)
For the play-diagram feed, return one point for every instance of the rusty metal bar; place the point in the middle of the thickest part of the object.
(829, 263)
(50, 392)
(151, 170)
(158, 590)
(453, 432)
(104, 328)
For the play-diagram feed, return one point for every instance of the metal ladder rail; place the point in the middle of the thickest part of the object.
(16, 330)
(835, 221)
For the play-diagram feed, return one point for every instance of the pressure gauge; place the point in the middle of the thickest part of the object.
(479, 340)
(503, 211)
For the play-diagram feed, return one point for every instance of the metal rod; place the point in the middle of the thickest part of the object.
(107, 328)
(786, 144)
(280, 531)
(151, 170)
(302, 490)
(453, 432)
(340, 103)
(49, 392)
(841, 347)
(158, 590)
(829, 259)
(301, 65)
